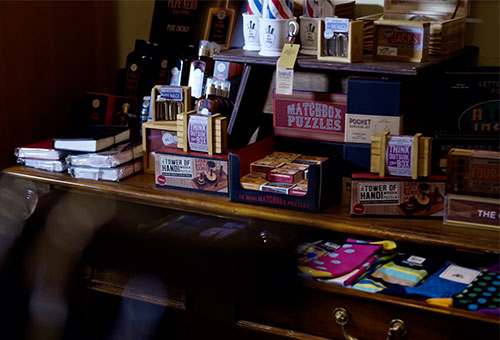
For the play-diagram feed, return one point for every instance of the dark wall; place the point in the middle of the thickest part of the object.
(51, 52)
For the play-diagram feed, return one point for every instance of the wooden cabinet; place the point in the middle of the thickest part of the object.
(259, 296)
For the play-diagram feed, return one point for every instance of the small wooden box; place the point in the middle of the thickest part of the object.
(354, 43)
(447, 34)
(182, 93)
(154, 137)
(215, 134)
(407, 156)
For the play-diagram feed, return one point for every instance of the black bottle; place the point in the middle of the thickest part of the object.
(179, 73)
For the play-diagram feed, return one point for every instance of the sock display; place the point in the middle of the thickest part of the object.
(481, 295)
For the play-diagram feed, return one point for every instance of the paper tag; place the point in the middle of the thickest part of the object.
(337, 25)
(459, 274)
(288, 56)
(284, 69)
(330, 246)
(284, 81)
(416, 259)
(198, 133)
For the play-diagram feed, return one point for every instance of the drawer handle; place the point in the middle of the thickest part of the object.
(341, 317)
(398, 328)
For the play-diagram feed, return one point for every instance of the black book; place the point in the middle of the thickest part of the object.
(92, 139)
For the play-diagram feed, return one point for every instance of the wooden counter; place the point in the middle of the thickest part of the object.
(140, 188)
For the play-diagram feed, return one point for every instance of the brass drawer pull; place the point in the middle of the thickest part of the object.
(397, 328)
(341, 317)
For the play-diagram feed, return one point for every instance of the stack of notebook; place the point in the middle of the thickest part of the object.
(95, 152)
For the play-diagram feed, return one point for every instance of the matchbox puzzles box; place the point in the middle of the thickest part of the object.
(311, 115)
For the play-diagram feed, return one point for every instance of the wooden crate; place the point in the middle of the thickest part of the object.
(355, 50)
(186, 103)
(216, 134)
(154, 137)
(447, 34)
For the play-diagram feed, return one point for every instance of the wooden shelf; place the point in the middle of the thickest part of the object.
(140, 188)
(367, 66)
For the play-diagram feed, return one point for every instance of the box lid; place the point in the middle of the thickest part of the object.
(428, 6)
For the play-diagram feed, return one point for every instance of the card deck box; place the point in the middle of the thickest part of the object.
(285, 175)
(447, 22)
(401, 40)
(372, 195)
(253, 181)
(321, 185)
(311, 115)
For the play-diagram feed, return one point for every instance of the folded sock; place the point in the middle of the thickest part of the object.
(341, 261)
(436, 287)
(405, 276)
(482, 294)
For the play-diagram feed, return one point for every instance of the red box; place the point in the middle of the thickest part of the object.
(372, 195)
(105, 109)
(311, 115)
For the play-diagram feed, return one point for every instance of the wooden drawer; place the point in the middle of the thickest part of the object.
(308, 314)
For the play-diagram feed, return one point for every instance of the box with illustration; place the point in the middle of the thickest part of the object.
(194, 171)
(373, 195)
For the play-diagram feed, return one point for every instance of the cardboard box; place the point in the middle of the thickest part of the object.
(311, 115)
(473, 172)
(321, 185)
(360, 128)
(380, 97)
(447, 34)
(191, 171)
(372, 195)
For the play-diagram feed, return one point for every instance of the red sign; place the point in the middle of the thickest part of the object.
(312, 115)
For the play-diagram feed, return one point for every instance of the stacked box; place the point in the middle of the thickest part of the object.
(379, 111)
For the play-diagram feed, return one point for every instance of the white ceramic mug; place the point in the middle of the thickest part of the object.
(309, 35)
(251, 32)
(274, 33)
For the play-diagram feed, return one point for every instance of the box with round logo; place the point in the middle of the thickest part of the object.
(154, 137)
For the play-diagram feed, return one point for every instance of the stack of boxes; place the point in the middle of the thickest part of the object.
(280, 172)
(378, 111)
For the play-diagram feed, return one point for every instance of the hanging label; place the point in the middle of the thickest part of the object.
(284, 69)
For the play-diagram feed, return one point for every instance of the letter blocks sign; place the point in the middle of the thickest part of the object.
(310, 115)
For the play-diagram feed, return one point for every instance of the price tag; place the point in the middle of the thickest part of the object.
(284, 69)
(459, 274)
